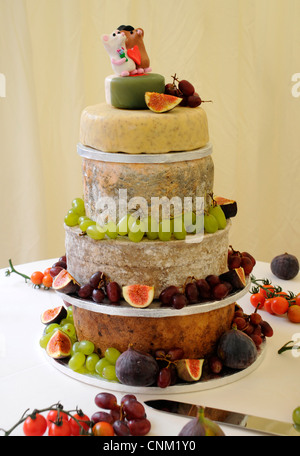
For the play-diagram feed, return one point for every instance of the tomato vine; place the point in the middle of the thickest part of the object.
(58, 420)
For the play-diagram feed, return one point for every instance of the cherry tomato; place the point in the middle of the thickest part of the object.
(35, 426)
(283, 294)
(37, 278)
(60, 428)
(47, 271)
(267, 290)
(102, 428)
(75, 427)
(297, 300)
(257, 300)
(279, 305)
(267, 305)
(293, 313)
(47, 281)
(52, 416)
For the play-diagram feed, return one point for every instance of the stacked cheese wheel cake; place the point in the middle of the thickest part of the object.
(148, 182)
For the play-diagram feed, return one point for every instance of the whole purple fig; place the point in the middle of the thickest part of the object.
(285, 266)
(201, 426)
(136, 368)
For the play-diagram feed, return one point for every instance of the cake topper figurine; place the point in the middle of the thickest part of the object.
(121, 63)
(127, 51)
(136, 47)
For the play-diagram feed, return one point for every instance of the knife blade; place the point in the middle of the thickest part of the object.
(250, 422)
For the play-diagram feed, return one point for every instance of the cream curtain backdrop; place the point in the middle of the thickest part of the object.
(242, 54)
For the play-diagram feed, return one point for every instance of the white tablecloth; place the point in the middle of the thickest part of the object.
(28, 380)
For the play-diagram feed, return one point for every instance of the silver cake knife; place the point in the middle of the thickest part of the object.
(250, 422)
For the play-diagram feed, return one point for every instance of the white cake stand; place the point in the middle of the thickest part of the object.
(154, 310)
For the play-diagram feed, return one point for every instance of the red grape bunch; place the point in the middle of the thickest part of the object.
(185, 90)
(196, 291)
(127, 418)
(238, 259)
(99, 287)
(253, 325)
(167, 365)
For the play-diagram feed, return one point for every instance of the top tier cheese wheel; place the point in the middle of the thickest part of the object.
(110, 129)
(129, 93)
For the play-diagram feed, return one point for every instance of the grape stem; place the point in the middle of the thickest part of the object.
(58, 419)
(175, 78)
(236, 252)
(286, 346)
(214, 203)
(8, 272)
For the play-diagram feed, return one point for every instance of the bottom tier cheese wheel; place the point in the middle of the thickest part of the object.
(197, 334)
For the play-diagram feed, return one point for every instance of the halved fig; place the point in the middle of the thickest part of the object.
(59, 345)
(228, 206)
(138, 295)
(65, 283)
(54, 315)
(161, 102)
(236, 277)
(189, 370)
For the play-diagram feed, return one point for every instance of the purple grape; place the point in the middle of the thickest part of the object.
(213, 280)
(191, 292)
(128, 397)
(121, 428)
(85, 291)
(164, 378)
(179, 301)
(139, 427)
(186, 88)
(114, 292)
(61, 264)
(115, 413)
(220, 291)
(54, 271)
(106, 401)
(194, 101)
(102, 416)
(215, 364)
(203, 289)
(133, 409)
(167, 294)
(97, 280)
(175, 353)
(98, 295)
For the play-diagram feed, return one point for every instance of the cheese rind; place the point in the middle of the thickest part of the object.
(110, 129)
(179, 182)
(129, 92)
(154, 263)
(197, 334)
